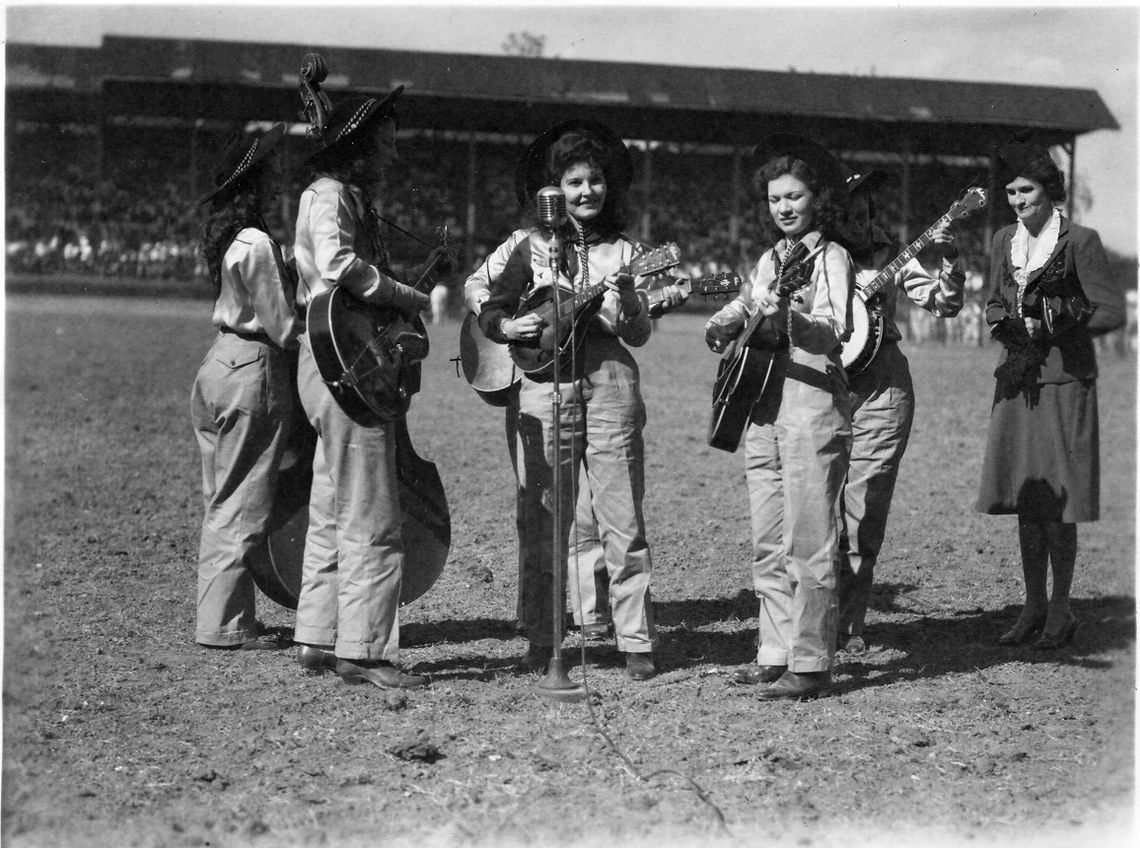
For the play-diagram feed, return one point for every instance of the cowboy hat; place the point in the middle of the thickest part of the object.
(530, 175)
(242, 153)
(868, 181)
(816, 156)
(350, 114)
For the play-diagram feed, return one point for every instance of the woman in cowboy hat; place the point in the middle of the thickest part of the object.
(1051, 292)
(602, 413)
(353, 561)
(882, 395)
(242, 400)
(799, 435)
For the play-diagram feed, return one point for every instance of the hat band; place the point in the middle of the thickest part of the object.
(243, 165)
(356, 119)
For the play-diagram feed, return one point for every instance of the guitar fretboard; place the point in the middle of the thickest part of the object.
(912, 250)
(652, 262)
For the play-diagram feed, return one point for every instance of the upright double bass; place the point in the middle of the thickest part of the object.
(355, 355)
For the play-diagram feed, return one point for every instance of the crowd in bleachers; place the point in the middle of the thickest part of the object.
(140, 217)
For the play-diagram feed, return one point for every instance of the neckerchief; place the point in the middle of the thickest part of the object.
(1023, 263)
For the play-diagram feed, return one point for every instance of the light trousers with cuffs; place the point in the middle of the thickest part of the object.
(796, 452)
(354, 553)
(241, 407)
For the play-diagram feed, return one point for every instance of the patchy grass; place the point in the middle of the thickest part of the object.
(120, 731)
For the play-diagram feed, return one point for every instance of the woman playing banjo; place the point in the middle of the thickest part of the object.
(882, 395)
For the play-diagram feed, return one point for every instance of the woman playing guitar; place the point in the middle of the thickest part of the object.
(602, 413)
(353, 561)
(799, 435)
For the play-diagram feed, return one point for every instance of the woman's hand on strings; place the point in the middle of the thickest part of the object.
(943, 239)
(773, 306)
(623, 285)
(524, 328)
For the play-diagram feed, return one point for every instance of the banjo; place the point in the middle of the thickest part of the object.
(867, 304)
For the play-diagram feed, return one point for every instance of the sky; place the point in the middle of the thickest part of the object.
(1040, 43)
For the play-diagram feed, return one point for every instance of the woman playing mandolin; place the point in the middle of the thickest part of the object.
(799, 435)
(602, 413)
(242, 403)
(353, 561)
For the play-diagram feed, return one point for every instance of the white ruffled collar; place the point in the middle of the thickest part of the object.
(1046, 242)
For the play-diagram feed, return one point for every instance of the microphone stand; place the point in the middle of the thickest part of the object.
(556, 685)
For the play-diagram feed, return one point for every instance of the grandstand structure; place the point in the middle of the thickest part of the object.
(134, 107)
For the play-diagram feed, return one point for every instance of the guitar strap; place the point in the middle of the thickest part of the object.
(286, 271)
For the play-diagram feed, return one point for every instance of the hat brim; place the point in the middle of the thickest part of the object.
(267, 142)
(385, 107)
(817, 156)
(530, 174)
(871, 181)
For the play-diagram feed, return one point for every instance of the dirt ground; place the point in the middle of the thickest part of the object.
(120, 731)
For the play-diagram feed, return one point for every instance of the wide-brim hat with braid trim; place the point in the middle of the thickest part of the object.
(352, 114)
(241, 154)
(530, 174)
(817, 157)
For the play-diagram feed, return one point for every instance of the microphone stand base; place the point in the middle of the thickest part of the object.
(556, 686)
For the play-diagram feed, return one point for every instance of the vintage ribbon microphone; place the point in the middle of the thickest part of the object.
(556, 686)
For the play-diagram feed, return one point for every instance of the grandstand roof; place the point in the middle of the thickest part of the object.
(506, 94)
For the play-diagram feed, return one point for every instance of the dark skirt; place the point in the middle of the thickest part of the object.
(1043, 457)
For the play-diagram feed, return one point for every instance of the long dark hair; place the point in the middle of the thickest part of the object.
(241, 205)
(827, 210)
(583, 146)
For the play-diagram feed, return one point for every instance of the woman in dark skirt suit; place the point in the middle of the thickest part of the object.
(1050, 294)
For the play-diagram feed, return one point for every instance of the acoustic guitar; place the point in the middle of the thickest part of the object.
(745, 371)
(574, 309)
(367, 355)
(867, 305)
(487, 365)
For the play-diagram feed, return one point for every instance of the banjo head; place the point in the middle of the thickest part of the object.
(860, 333)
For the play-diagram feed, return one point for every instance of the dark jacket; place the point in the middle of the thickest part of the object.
(1073, 294)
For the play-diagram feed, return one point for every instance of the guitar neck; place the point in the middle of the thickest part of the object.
(657, 296)
(569, 306)
(912, 250)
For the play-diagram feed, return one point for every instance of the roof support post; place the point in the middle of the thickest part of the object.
(735, 213)
(904, 192)
(1070, 202)
(646, 193)
(995, 193)
(472, 188)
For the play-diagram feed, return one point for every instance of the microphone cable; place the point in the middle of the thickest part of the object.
(697, 789)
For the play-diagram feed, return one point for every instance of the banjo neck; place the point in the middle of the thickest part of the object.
(912, 250)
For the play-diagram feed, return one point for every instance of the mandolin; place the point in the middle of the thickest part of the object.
(575, 308)
(487, 366)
